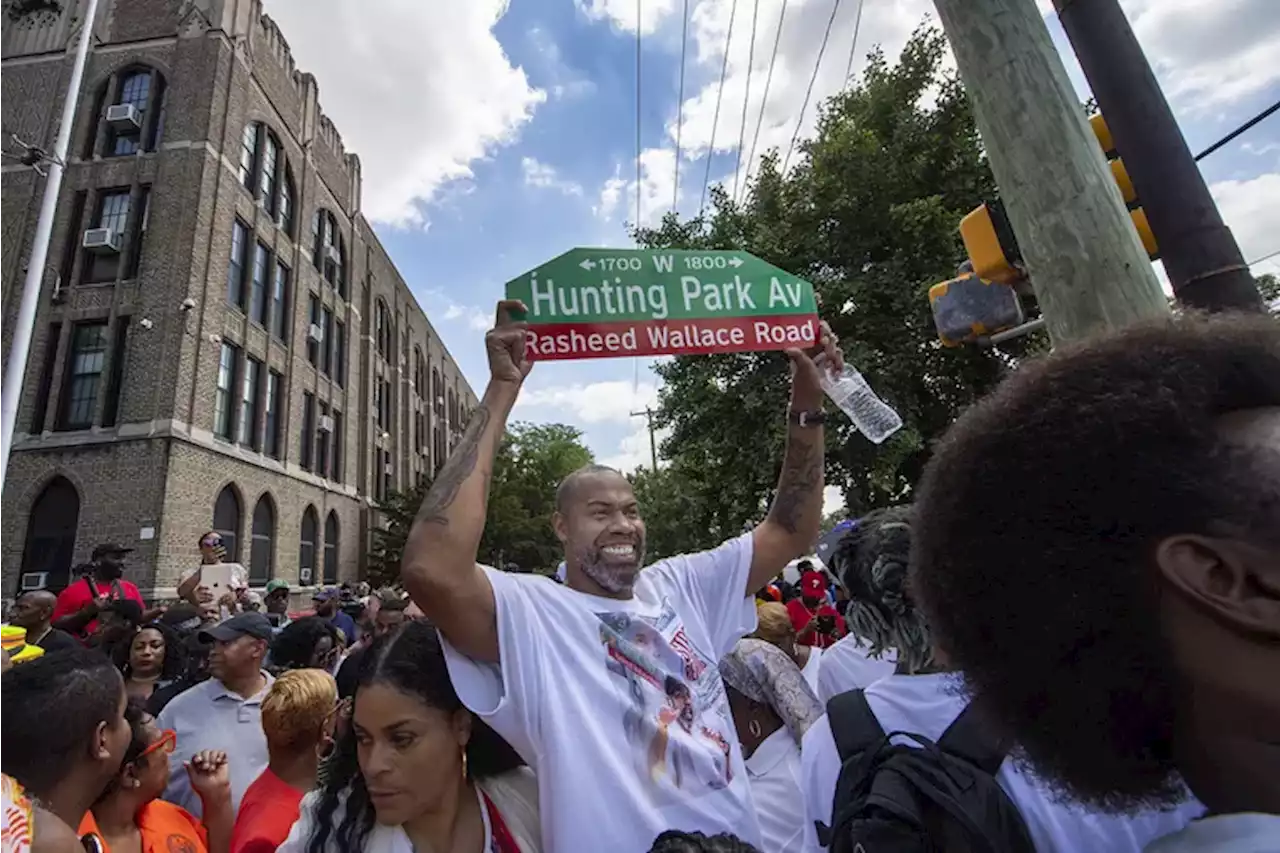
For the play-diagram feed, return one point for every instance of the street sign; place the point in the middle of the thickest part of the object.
(605, 303)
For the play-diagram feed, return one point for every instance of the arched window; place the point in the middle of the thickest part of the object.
(329, 250)
(307, 547)
(226, 521)
(331, 548)
(249, 154)
(284, 210)
(51, 533)
(382, 334)
(453, 411)
(130, 112)
(419, 373)
(260, 549)
(264, 172)
(437, 395)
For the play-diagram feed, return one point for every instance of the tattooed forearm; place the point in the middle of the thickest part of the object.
(461, 464)
(798, 503)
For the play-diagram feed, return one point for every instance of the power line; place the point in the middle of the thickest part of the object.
(746, 98)
(724, 69)
(853, 49)
(638, 47)
(684, 44)
(768, 80)
(1239, 130)
(1265, 257)
(835, 7)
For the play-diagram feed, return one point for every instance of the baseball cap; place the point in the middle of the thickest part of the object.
(325, 594)
(275, 584)
(814, 582)
(241, 625)
(109, 548)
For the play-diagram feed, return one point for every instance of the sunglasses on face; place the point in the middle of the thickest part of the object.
(166, 743)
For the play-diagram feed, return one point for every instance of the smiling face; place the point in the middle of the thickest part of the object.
(146, 652)
(603, 535)
(410, 753)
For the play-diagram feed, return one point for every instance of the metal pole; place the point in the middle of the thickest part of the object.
(653, 444)
(15, 368)
(1204, 263)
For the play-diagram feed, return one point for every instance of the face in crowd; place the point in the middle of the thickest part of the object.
(111, 565)
(146, 652)
(387, 620)
(277, 601)
(598, 521)
(32, 610)
(238, 658)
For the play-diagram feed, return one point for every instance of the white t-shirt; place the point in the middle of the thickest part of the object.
(774, 771)
(618, 705)
(1228, 833)
(846, 665)
(812, 668)
(926, 705)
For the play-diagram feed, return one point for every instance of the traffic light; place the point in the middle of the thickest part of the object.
(992, 248)
(969, 307)
(1121, 175)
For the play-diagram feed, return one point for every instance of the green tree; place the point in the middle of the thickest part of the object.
(1269, 287)
(531, 462)
(869, 215)
(395, 516)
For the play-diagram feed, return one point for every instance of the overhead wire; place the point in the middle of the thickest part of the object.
(853, 48)
(684, 45)
(724, 70)
(768, 81)
(808, 92)
(1239, 130)
(746, 100)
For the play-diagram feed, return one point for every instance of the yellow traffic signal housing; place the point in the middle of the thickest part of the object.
(968, 308)
(989, 242)
(1130, 195)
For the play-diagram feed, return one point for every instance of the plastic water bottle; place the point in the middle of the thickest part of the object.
(873, 417)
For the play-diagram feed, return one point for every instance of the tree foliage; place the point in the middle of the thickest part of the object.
(387, 539)
(869, 215)
(531, 462)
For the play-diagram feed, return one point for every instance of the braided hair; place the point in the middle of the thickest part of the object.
(871, 561)
(674, 841)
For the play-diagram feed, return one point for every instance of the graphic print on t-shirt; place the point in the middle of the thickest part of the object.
(675, 721)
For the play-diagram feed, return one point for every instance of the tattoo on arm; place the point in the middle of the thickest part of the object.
(455, 472)
(800, 486)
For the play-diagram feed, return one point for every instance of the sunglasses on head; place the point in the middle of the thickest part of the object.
(166, 743)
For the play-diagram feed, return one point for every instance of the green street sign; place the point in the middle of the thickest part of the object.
(604, 303)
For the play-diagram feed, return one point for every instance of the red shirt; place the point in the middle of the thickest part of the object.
(268, 811)
(800, 617)
(76, 596)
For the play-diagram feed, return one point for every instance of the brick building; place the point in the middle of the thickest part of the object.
(222, 342)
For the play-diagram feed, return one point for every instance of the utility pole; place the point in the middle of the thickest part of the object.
(1084, 258)
(1204, 263)
(647, 414)
(15, 369)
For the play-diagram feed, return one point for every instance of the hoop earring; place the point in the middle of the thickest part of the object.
(464, 762)
(754, 728)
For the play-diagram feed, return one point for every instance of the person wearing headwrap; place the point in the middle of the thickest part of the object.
(14, 641)
(816, 621)
(773, 706)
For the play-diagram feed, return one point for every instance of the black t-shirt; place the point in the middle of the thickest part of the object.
(56, 640)
(349, 672)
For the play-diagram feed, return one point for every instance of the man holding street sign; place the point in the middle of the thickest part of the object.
(608, 684)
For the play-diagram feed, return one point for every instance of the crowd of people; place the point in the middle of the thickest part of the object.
(1068, 641)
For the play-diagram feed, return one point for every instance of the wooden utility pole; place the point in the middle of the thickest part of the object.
(1086, 263)
(647, 414)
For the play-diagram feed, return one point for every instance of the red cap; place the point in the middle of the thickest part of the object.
(813, 582)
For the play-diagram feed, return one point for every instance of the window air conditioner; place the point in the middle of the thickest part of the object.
(35, 580)
(124, 117)
(387, 469)
(331, 253)
(326, 423)
(304, 575)
(102, 241)
(315, 333)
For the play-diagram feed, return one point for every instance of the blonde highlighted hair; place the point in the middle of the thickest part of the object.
(295, 708)
(775, 625)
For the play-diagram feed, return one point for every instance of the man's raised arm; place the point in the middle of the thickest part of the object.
(439, 565)
(795, 516)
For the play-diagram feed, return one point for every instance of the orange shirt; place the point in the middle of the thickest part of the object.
(268, 811)
(165, 828)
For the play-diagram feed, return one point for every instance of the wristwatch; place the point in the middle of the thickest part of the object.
(806, 419)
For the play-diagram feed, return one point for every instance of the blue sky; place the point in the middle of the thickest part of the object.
(496, 136)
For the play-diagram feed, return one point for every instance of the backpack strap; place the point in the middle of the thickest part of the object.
(853, 724)
(970, 737)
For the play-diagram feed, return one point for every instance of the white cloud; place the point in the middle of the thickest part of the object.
(442, 305)
(633, 451)
(544, 176)
(832, 500)
(1251, 211)
(657, 189)
(419, 90)
(591, 403)
(622, 13)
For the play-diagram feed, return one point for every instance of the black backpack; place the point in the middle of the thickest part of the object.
(935, 797)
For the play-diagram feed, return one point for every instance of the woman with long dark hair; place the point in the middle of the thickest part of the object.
(154, 658)
(414, 769)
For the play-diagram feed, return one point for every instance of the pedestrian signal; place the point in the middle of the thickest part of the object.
(1121, 176)
(991, 245)
(969, 307)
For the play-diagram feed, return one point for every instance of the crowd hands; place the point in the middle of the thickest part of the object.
(1067, 642)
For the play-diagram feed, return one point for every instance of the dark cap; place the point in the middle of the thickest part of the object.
(241, 625)
(109, 548)
(326, 594)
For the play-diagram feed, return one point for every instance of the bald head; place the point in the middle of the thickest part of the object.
(33, 610)
(571, 487)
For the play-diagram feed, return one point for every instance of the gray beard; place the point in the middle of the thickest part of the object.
(612, 579)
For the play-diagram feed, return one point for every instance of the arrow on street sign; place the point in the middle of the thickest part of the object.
(603, 303)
